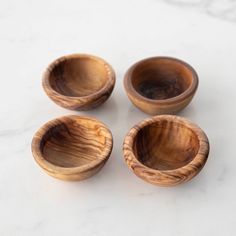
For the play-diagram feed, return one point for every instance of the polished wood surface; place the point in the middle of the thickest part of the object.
(72, 147)
(79, 81)
(166, 150)
(161, 85)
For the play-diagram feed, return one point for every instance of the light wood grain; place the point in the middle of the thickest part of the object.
(166, 150)
(161, 85)
(72, 147)
(79, 81)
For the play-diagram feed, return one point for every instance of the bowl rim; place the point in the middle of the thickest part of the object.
(55, 169)
(52, 92)
(185, 94)
(199, 159)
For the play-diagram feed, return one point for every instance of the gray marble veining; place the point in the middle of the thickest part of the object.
(115, 202)
(223, 9)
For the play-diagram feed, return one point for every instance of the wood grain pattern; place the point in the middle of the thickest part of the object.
(161, 85)
(166, 150)
(72, 147)
(79, 81)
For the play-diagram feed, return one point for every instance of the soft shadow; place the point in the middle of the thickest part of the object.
(107, 112)
(134, 116)
(189, 112)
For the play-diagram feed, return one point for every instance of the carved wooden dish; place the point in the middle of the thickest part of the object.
(72, 147)
(166, 150)
(79, 81)
(161, 85)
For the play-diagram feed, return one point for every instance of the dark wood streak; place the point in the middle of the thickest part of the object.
(79, 81)
(72, 147)
(166, 150)
(161, 85)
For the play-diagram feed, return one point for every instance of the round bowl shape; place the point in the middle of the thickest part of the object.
(161, 85)
(79, 81)
(166, 150)
(72, 147)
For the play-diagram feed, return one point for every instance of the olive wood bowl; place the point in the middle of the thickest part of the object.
(79, 81)
(72, 147)
(161, 85)
(166, 150)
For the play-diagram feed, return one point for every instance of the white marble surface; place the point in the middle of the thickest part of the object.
(116, 202)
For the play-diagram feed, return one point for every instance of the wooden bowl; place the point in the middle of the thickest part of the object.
(79, 81)
(166, 150)
(72, 147)
(161, 85)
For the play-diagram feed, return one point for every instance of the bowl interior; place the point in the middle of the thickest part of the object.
(74, 143)
(165, 145)
(161, 78)
(79, 76)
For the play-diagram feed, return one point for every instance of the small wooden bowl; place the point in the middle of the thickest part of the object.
(166, 150)
(161, 85)
(72, 147)
(79, 81)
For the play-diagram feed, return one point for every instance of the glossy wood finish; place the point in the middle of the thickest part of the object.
(166, 150)
(161, 85)
(79, 81)
(72, 147)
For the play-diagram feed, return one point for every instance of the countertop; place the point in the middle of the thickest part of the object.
(116, 202)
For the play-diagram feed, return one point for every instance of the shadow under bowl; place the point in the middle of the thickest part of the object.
(166, 150)
(72, 147)
(79, 81)
(161, 85)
